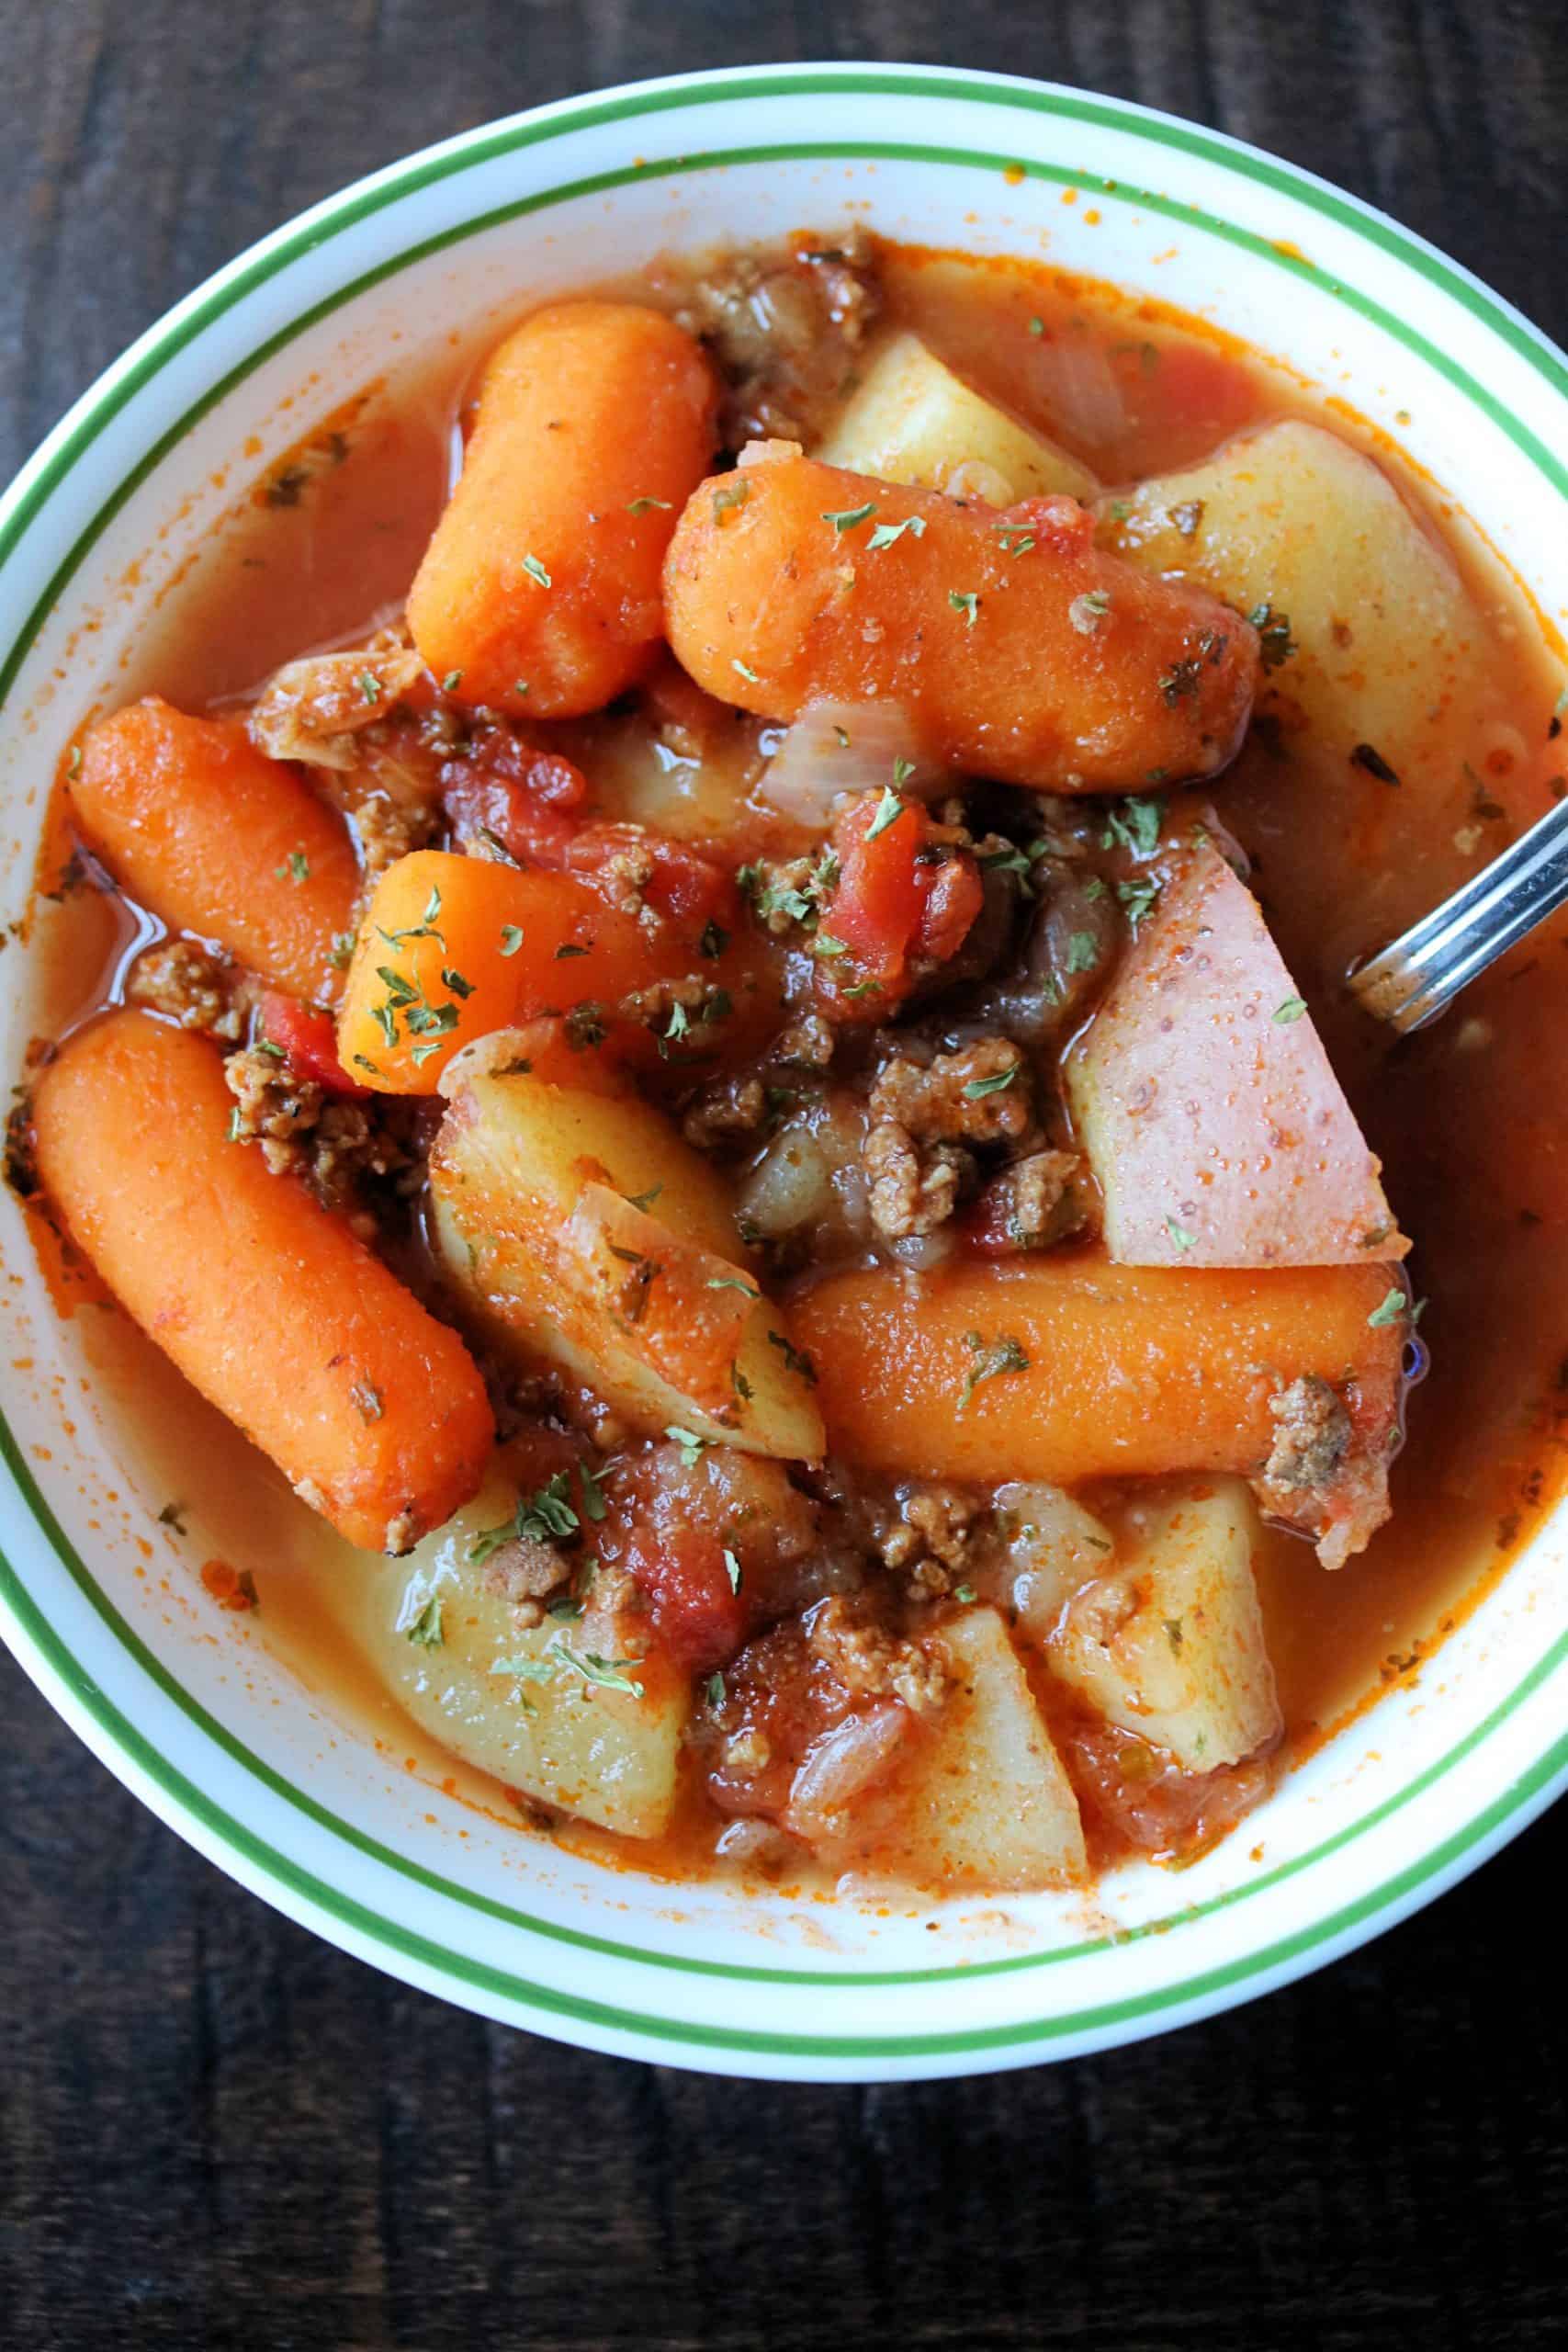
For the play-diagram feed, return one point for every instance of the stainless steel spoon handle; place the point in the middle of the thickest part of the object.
(1418, 975)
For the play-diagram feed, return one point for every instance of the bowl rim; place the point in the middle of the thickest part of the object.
(235, 1847)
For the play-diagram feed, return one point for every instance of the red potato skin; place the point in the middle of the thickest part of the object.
(1133, 1372)
(199, 827)
(1219, 1131)
(270, 1306)
(1156, 688)
(588, 410)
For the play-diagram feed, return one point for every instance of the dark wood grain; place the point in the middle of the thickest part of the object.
(217, 2132)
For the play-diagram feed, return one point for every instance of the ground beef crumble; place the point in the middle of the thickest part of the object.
(389, 830)
(931, 1542)
(683, 1015)
(1038, 1200)
(302, 1130)
(786, 328)
(808, 1043)
(941, 1105)
(874, 1665)
(191, 984)
(782, 891)
(525, 1572)
(623, 878)
(913, 1187)
(1312, 1437)
(728, 1112)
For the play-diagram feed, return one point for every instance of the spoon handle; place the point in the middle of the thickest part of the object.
(1418, 975)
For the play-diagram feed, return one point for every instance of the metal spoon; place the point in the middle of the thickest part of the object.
(1418, 975)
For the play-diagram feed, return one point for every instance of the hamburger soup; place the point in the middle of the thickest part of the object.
(702, 986)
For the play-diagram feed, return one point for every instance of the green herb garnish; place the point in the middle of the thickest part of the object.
(979, 1087)
(885, 533)
(848, 516)
(1006, 1355)
(889, 808)
(425, 1629)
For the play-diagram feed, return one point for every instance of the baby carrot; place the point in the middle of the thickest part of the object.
(270, 1306)
(455, 947)
(213, 838)
(1067, 1368)
(1019, 649)
(540, 586)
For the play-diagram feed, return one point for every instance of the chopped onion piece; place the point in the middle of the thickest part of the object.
(975, 479)
(755, 1843)
(1076, 386)
(841, 1763)
(770, 453)
(838, 747)
(495, 1052)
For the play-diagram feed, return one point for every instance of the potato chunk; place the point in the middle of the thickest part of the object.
(1388, 643)
(1172, 1646)
(981, 1797)
(1208, 1110)
(581, 1226)
(912, 420)
(437, 1634)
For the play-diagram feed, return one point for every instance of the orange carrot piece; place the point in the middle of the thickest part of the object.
(1130, 1370)
(198, 827)
(518, 944)
(268, 1305)
(453, 948)
(541, 584)
(1019, 649)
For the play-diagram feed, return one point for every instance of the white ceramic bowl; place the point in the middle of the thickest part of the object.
(185, 1704)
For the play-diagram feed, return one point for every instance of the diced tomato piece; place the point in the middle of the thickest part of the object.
(520, 793)
(684, 887)
(308, 1042)
(954, 898)
(876, 908)
(700, 1620)
(893, 903)
(531, 801)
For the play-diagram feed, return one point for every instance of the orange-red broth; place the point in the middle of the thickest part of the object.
(1464, 1118)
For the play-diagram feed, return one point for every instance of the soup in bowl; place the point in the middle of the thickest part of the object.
(703, 1215)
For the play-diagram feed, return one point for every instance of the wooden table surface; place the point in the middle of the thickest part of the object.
(217, 2132)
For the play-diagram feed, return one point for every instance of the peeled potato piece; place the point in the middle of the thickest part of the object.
(980, 1797)
(910, 419)
(436, 1634)
(1171, 1646)
(1388, 643)
(581, 1226)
